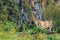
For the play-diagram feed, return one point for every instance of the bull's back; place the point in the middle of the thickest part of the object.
(44, 24)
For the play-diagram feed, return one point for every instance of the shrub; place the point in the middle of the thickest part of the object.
(1, 29)
(39, 36)
(8, 26)
(36, 30)
(7, 30)
(52, 37)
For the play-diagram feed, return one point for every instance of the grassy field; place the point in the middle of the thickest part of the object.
(26, 36)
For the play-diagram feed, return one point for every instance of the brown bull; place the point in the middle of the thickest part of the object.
(44, 24)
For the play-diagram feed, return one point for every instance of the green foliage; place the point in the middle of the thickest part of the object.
(37, 30)
(8, 7)
(52, 37)
(23, 26)
(53, 13)
(50, 9)
(7, 30)
(10, 33)
(57, 25)
(39, 36)
(29, 10)
(3, 11)
(8, 26)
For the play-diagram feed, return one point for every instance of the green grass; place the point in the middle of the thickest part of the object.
(26, 36)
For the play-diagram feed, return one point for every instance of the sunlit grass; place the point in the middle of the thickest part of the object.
(23, 36)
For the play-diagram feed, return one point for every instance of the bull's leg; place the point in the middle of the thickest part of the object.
(50, 29)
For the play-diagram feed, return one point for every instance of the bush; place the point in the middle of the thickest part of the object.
(39, 36)
(37, 30)
(8, 26)
(52, 37)
(52, 12)
(57, 25)
(7, 30)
